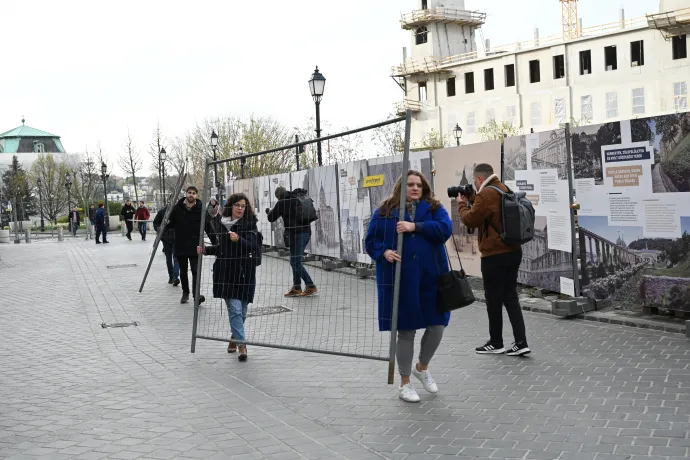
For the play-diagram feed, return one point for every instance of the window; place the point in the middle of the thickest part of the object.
(680, 46)
(585, 62)
(534, 74)
(420, 35)
(680, 96)
(39, 147)
(490, 115)
(422, 91)
(637, 53)
(586, 108)
(638, 101)
(469, 83)
(536, 114)
(510, 114)
(450, 87)
(424, 4)
(610, 58)
(559, 110)
(558, 67)
(471, 124)
(510, 75)
(612, 105)
(488, 79)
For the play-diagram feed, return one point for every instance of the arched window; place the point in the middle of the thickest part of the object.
(39, 147)
(420, 35)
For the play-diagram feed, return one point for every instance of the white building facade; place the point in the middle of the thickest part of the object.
(622, 70)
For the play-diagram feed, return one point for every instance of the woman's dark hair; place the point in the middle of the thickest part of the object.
(236, 198)
(393, 201)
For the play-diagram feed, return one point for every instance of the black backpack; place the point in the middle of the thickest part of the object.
(517, 217)
(305, 212)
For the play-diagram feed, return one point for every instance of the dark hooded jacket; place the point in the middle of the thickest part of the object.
(187, 225)
(234, 271)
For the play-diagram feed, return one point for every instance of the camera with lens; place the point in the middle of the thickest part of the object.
(464, 190)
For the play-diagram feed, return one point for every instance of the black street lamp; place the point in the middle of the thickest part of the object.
(163, 156)
(104, 177)
(243, 161)
(16, 219)
(22, 216)
(40, 203)
(458, 133)
(317, 82)
(68, 186)
(214, 147)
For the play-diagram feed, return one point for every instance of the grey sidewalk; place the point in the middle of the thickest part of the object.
(70, 389)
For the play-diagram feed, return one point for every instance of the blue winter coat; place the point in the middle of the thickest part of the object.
(423, 261)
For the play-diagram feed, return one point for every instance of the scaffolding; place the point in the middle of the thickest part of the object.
(442, 15)
(569, 13)
(670, 23)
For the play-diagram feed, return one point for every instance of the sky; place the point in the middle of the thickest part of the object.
(91, 72)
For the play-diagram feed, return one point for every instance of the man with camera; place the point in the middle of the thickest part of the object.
(481, 206)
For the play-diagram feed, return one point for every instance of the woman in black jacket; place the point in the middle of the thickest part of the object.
(234, 271)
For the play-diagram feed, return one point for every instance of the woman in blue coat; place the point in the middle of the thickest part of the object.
(426, 228)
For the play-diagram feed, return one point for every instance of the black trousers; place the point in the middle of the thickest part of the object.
(500, 273)
(187, 262)
(130, 227)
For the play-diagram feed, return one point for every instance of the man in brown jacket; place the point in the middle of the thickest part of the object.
(500, 262)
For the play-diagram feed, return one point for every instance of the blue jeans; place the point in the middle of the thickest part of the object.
(298, 243)
(171, 259)
(237, 312)
(142, 229)
(75, 226)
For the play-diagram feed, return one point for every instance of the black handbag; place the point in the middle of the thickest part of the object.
(454, 290)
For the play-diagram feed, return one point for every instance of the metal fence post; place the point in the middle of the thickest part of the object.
(571, 198)
(398, 266)
(197, 287)
(27, 236)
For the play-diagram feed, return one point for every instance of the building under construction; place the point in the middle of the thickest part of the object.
(623, 69)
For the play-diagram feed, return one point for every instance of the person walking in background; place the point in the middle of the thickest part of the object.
(168, 240)
(92, 220)
(101, 227)
(500, 262)
(297, 233)
(237, 254)
(127, 214)
(426, 229)
(142, 216)
(185, 219)
(74, 220)
(213, 224)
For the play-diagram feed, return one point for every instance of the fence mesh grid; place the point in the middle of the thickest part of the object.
(342, 317)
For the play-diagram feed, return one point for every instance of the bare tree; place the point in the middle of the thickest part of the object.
(339, 150)
(131, 163)
(157, 164)
(389, 139)
(51, 174)
(432, 140)
(494, 131)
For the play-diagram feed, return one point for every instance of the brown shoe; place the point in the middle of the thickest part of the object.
(232, 347)
(243, 353)
(310, 290)
(294, 292)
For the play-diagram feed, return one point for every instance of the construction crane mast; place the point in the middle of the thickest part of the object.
(569, 10)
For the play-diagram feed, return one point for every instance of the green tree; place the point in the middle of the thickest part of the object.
(51, 174)
(15, 184)
(432, 140)
(494, 131)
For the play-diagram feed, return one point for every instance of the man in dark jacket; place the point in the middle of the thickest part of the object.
(127, 214)
(142, 216)
(500, 262)
(168, 240)
(100, 224)
(185, 219)
(297, 239)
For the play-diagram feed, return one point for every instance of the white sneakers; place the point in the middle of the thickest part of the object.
(409, 394)
(425, 378)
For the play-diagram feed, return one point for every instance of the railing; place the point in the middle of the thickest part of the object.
(430, 64)
(419, 17)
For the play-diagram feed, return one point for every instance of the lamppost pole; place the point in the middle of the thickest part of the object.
(40, 203)
(163, 155)
(297, 151)
(316, 87)
(16, 224)
(68, 186)
(214, 147)
(104, 177)
(21, 203)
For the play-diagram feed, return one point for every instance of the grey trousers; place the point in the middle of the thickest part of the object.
(405, 351)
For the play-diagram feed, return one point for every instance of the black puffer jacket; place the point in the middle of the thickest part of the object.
(187, 225)
(286, 207)
(169, 235)
(234, 271)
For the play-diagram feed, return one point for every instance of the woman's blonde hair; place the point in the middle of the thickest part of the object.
(393, 201)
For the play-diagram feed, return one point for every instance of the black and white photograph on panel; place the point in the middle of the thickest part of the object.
(264, 189)
(300, 180)
(391, 169)
(278, 227)
(551, 153)
(355, 210)
(421, 161)
(323, 190)
(515, 156)
(586, 143)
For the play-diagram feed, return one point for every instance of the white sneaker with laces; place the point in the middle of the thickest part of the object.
(408, 393)
(425, 378)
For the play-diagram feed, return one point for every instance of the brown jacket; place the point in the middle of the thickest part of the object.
(486, 208)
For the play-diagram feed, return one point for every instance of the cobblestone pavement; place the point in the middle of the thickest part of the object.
(71, 389)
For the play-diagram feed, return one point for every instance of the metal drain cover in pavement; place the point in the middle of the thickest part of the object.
(104, 325)
(270, 310)
(120, 266)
